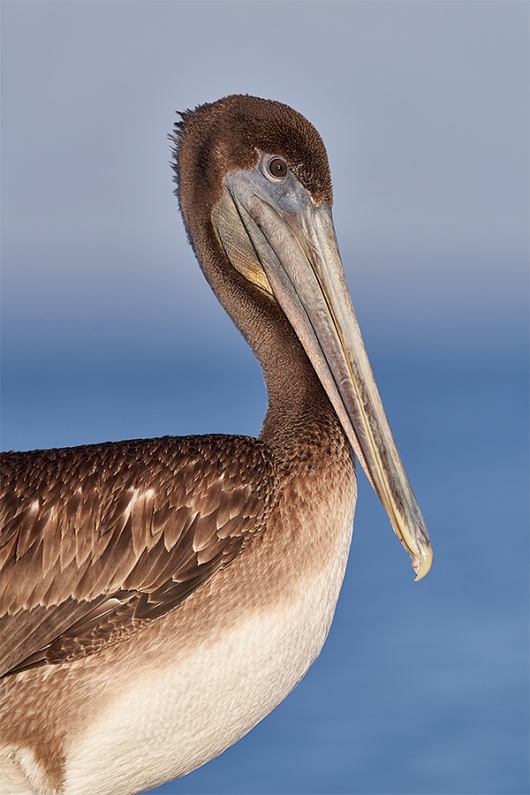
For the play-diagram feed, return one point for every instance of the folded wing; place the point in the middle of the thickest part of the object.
(96, 541)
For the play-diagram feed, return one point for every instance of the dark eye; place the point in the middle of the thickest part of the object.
(277, 167)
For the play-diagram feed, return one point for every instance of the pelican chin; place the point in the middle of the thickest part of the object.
(187, 583)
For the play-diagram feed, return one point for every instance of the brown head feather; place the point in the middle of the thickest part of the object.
(223, 136)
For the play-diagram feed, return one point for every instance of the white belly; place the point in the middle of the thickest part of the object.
(172, 720)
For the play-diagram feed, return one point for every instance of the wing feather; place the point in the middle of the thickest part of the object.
(96, 541)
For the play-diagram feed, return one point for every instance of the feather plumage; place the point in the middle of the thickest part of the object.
(136, 528)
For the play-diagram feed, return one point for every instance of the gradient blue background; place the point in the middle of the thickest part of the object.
(110, 332)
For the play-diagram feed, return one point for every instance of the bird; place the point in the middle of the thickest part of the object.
(159, 597)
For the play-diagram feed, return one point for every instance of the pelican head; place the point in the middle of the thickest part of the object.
(256, 199)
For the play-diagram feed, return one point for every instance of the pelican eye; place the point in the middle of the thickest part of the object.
(277, 168)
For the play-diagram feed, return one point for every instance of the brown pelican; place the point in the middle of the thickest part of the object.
(159, 597)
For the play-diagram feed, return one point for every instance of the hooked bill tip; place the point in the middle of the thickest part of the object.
(422, 563)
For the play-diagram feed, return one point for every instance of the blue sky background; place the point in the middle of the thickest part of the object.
(110, 332)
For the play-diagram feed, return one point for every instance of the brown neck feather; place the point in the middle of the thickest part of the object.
(210, 142)
(295, 395)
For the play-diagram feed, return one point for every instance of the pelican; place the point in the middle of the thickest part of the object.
(159, 597)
